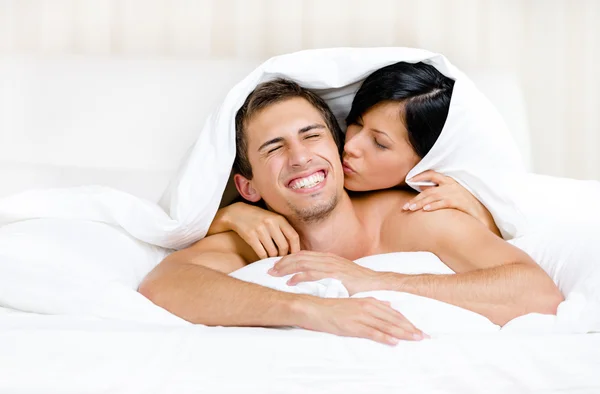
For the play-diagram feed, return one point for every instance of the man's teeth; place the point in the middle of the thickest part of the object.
(308, 182)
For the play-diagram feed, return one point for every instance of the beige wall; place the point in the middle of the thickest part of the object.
(552, 45)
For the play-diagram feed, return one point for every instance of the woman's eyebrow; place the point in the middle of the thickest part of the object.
(381, 132)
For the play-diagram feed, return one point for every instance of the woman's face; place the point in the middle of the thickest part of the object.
(377, 153)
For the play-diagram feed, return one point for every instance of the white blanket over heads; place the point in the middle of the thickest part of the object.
(474, 147)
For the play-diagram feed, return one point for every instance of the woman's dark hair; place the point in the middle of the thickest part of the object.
(424, 91)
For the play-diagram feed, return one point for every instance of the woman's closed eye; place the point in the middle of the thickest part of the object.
(312, 136)
(378, 145)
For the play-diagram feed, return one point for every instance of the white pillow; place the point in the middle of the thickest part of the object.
(257, 273)
(74, 267)
(432, 316)
(564, 238)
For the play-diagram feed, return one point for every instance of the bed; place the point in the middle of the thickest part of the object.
(74, 121)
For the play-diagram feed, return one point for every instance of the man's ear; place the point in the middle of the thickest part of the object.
(244, 187)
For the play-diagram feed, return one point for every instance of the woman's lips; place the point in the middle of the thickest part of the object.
(347, 168)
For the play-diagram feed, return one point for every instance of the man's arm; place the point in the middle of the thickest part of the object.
(492, 277)
(193, 284)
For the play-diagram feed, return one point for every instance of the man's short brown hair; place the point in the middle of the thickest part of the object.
(265, 95)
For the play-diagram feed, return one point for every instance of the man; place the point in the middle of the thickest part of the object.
(288, 146)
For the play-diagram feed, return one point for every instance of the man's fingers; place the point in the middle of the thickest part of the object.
(308, 276)
(374, 334)
(397, 319)
(394, 331)
(302, 264)
(391, 321)
(300, 261)
(287, 265)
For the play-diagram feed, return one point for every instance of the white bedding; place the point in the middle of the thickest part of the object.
(51, 354)
(112, 340)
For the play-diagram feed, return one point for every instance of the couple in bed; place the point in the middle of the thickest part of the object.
(288, 158)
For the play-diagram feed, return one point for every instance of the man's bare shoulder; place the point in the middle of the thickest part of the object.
(227, 242)
(428, 220)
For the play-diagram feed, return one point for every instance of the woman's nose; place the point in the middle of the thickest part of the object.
(351, 147)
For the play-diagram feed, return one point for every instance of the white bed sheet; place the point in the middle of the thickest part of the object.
(54, 354)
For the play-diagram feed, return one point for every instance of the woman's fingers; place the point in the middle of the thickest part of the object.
(433, 201)
(424, 176)
(292, 237)
(280, 240)
(432, 176)
(256, 246)
(267, 242)
(435, 205)
(416, 202)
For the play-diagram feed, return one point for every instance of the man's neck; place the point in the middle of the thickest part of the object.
(341, 233)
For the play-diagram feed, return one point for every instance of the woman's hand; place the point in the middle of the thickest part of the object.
(449, 194)
(267, 233)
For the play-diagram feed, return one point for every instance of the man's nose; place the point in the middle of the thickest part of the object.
(300, 156)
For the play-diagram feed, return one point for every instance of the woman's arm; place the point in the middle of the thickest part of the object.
(221, 222)
(269, 234)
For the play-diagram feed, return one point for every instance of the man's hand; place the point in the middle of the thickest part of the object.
(310, 266)
(359, 317)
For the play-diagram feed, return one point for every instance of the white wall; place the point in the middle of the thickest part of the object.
(552, 45)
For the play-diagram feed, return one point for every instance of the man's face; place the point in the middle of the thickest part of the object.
(295, 162)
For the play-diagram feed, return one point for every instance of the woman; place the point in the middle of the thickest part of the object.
(396, 117)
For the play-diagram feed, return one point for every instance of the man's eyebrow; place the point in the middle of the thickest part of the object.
(311, 127)
(302, 130)
(270, 142)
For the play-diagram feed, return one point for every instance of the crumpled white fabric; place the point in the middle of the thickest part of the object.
(432, 316)
(476, 144)
(475, 148)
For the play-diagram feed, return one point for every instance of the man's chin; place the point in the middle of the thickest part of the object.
(314, 211)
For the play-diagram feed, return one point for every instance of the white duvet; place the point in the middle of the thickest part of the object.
(534, 212)
(69, 355)
(80, 253)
